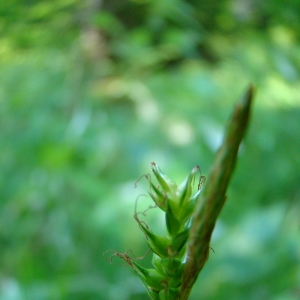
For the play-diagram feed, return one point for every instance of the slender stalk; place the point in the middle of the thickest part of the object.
(213, 196)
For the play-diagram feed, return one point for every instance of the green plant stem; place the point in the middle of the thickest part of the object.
(213, 195)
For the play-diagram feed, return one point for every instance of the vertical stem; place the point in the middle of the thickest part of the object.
(213, 196)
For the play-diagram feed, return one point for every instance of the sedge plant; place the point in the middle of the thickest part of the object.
(179, 256)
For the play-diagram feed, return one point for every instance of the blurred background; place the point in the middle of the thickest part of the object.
(93, 91)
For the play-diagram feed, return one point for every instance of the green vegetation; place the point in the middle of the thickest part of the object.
(92, 92)
(165, 279)
(189, 219)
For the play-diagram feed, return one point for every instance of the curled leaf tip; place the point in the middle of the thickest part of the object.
(195, 169)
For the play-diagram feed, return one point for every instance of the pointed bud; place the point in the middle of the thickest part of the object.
(151, 277)
(159, 244)
(179, 240)
(167, 184)
(184, 191)
(187, 210)
(158, 197)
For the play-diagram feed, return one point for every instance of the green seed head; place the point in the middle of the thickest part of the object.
(177, 202)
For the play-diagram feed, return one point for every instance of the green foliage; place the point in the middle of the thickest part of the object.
(169, 252)
(89, 95)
